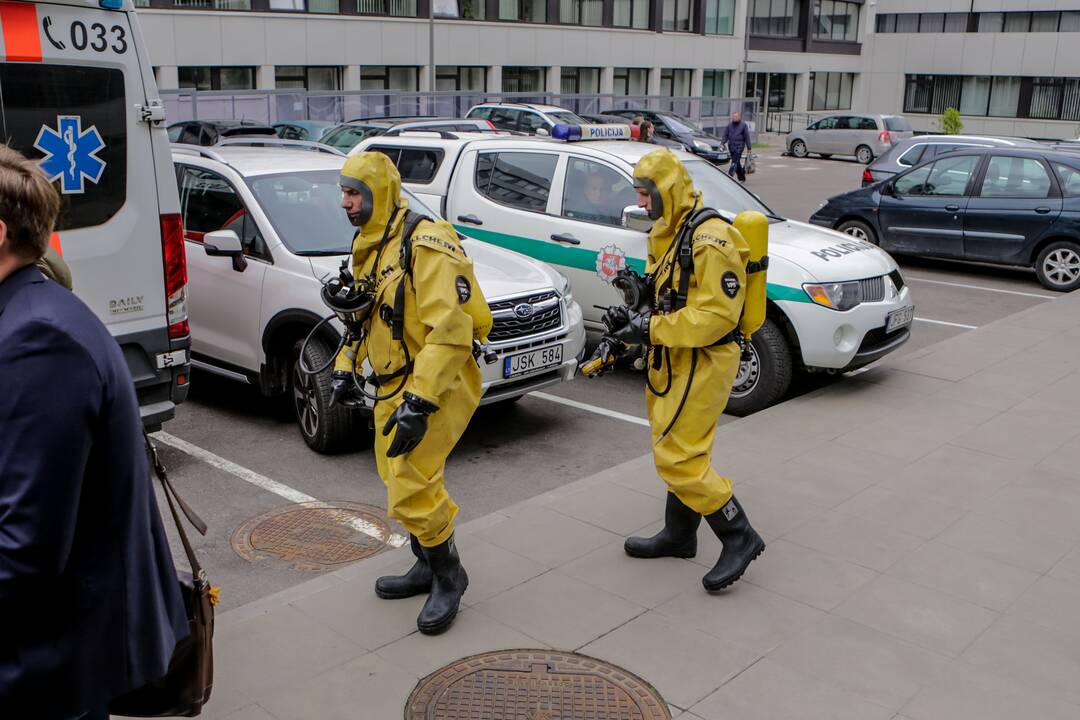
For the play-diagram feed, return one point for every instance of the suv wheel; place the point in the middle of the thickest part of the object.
(325, 429)
(798, 149)
(864, 155)
(765, 377)
(1058, 266)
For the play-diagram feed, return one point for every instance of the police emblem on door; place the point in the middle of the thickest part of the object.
(609, 261)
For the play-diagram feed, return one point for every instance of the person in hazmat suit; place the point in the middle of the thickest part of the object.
(699, 278)
(418, 341)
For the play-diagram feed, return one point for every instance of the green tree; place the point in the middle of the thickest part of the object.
(950, 122)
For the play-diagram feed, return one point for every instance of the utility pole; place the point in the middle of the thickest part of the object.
(431, 46)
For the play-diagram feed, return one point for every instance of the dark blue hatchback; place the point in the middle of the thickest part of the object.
(992, 205)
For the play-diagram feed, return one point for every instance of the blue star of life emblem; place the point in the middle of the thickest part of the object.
(71, 153)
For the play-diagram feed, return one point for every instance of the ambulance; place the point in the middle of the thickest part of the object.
(77, 94)
(835, 303)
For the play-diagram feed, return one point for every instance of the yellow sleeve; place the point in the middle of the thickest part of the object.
(448, 343)
(710, 312)
(344, 360)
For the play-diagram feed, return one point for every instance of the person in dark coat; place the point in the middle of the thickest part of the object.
(737, 137)
(89, 599)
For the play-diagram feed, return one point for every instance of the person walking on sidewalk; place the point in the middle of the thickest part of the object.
(420, 344)
(737, 137)
(697, 264)
(88, 594)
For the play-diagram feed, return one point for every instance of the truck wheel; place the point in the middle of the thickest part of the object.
(325, 429)
(766, 377)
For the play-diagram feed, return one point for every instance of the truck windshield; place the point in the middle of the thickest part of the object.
(305, 209)
(721, 192)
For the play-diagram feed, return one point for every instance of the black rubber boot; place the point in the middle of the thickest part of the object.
(448, 584)
(416, 581)
(741, 545)
(677, 539)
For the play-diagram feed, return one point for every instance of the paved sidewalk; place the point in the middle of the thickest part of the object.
(923, 563)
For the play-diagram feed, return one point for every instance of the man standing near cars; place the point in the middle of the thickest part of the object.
(737, 138)
(698, 272)
(419, 342)
(89, 597)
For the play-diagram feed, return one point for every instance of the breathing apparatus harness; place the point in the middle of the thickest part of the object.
(670, 299)
(352, 303)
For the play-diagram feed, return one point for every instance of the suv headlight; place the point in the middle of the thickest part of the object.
(703, 146)
(836, 295)
(562, 287)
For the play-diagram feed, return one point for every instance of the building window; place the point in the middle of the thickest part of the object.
(1045, 21)
(774, 18)
(775, 91)
(991, 22)
(981, 95)
(975, 95)
(886, 23)
(932, 23)
(631, 14)
(392, 8)
(907, 23)
(534, 11)
(675, 82)
(300, 77)
(388, 77)
(716, 83)
(1005, 97)
(1070, 22)
(830, 90)
(678, 15)
(217, 78)
(581, 12)
(463, 9)
(956, 22)
(719, 17)
(631, 81)
(313, 6)
(1055, 98)
(932, 93)
(206, 4)
(580, 81)
(1017, 22)
(459, 77)
(523, 79)
(834, 20)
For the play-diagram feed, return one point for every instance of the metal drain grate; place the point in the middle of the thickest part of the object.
(315, 536)
(534, 684)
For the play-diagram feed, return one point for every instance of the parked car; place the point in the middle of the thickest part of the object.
(672, 128)
(345, 136)
(303, 129)
(921, 148)
(263, 225)
(211, 132)
(601, 119)
(863, 136)
(1008, 206)
(524, 117)
(835, 304)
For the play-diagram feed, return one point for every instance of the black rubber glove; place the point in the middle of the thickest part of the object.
(616, 317)
(636, 329)
(340, 386)
(411, 419)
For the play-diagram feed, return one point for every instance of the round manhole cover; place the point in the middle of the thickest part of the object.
(316, 535)
(534, 684)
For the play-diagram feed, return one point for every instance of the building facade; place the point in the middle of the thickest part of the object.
(1008, 71)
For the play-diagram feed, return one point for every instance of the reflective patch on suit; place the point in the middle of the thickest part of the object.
(730, 283)
(463, 288)
(730, 510)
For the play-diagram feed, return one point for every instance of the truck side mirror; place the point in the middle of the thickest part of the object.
(635, 218)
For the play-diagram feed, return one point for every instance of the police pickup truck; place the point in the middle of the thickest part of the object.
(834, 303)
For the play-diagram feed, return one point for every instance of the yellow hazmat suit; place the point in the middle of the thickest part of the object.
(683, 450)
(438, 336)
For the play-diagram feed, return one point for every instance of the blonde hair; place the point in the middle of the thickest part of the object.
(29, 204)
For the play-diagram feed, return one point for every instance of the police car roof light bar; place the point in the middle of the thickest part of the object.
(576, 133)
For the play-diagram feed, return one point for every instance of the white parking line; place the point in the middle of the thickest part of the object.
(591, 408)
(273, 486)
(950, 324)
(979, 287)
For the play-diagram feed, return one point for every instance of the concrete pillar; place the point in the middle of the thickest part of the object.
(350, 79)
(427, 83)
(494, 79)
(654, 81)
(168, 77)
(553, 83)
(264, 78)
(802, 89)
(697, 82)
(607, 80)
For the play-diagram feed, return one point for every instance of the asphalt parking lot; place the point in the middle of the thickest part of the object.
(235, 455)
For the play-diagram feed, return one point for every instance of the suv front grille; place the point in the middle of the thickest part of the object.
(508, 325)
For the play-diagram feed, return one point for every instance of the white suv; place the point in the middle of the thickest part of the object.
(524, 117)
(255, 290)
(835, 303)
